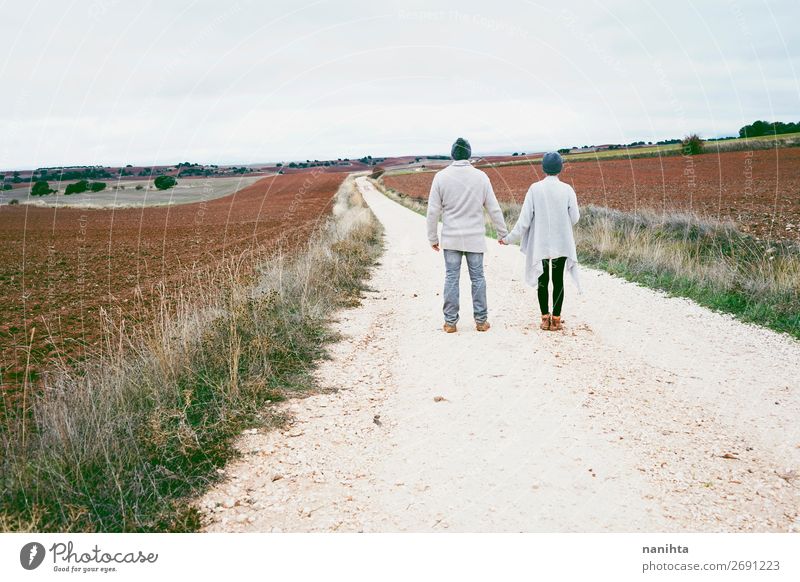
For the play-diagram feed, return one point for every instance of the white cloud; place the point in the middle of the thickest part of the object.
(119, 82)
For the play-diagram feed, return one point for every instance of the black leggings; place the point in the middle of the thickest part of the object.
(558, 285)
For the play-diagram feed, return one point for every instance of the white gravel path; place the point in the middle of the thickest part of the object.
(622, 422)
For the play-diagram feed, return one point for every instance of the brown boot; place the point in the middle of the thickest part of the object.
(545, 322)
(449, 328)
(555, 323)
(483, 326)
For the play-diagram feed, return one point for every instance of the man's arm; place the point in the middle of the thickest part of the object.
(434, 213)
(494, 210)
(574, 212)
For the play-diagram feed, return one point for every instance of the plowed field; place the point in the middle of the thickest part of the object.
(59, 267)
(759, 190)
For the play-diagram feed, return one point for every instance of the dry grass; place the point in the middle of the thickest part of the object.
(711, 262)
(124, 442)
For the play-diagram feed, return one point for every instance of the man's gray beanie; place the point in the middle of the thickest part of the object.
(552, 163)
(461, 149)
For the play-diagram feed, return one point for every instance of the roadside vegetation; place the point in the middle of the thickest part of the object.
(710, 262)
(125, 442)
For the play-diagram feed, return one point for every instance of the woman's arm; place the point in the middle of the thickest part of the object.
(524, 220)
(574, 212)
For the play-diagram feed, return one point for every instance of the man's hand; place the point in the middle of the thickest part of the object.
(435, 247)
(502, 242)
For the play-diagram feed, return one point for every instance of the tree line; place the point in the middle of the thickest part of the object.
(762, 128)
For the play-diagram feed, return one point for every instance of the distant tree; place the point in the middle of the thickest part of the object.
(692, 145)
(139, 187)
(515, 154)
(7, 186)
(165, 182)
(97, 186)
(279, 165)
(76, 188)
(13, 201)
(41, 188)
(563, 151)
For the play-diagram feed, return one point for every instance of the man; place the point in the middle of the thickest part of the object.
(459, 194)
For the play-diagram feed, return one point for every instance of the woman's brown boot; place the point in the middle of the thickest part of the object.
(555, 323)
(545, 322)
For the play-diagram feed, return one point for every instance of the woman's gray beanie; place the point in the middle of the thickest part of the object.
(461, 149)
(552, 163)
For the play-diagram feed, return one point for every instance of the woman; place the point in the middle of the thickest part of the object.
(545, 226)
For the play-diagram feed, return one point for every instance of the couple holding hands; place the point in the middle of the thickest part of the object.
(460, 193)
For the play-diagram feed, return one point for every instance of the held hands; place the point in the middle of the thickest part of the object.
(435, 247)
(502, 242)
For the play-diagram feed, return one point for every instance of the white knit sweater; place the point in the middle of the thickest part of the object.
(459, 194)
(545, 227)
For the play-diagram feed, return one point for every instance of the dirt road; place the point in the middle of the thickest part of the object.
(647, 413)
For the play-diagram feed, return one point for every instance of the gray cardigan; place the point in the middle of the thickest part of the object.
(459, 194)
(545, 226)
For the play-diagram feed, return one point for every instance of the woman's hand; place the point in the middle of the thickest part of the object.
(502, 242)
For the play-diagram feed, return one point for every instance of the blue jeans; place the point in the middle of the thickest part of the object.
(452, 264)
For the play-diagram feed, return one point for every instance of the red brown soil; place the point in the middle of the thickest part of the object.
(59, 267)
(759, 190)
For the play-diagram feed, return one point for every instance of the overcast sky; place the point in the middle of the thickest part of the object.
(117, 82)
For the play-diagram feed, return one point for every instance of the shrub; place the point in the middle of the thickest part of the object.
(165, 182)
(139, 187)
(377, 172)
(13, 201)
(77, 187)
(98, 186)
(692, 145)
(41, 188)
(7, 186)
